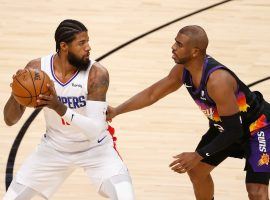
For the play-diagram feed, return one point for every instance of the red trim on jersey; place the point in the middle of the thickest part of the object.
(112, 131)
(63, 121)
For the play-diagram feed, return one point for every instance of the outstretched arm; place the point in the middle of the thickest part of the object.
(151, 94)
(13, 111)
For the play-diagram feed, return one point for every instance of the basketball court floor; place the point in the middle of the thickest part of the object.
(147, 139)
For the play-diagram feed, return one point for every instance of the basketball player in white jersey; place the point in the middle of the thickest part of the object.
(76, 129)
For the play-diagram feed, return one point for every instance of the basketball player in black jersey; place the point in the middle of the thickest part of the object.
(239, 119)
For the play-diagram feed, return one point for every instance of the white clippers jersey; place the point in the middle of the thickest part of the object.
(59, 134)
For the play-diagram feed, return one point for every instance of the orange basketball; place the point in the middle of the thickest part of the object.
(28, 84)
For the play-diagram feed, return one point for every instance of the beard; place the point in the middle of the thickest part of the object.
(80, 64)
(183, 60)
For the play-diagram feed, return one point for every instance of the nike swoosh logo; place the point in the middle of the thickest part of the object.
(100, 140)
(188, 86)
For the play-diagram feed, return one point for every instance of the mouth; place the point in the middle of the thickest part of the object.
(86, 56)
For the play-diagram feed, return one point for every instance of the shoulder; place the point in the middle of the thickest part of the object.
(177, 71)
(221, 85)
(221, 78)
(98, 82)
(34, 64)
(98, 73)
(98, 69)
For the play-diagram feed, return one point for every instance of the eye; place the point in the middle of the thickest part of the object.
(178, 44)
(82, 42)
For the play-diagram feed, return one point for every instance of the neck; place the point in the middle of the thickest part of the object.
(62, 67)
(195, 68)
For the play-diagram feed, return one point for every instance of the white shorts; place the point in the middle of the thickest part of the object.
(46, 169)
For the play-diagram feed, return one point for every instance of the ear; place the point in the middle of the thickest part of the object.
(64, 46)
(195, 52)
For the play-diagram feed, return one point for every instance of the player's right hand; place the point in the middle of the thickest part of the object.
(111, 113)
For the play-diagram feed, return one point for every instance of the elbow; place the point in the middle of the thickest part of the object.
(9, 119)
(11, 116)
(8, 122)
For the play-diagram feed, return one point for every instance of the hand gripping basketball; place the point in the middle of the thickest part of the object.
(28, 84)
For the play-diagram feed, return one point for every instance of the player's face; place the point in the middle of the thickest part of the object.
(181, 49)
(79, 51)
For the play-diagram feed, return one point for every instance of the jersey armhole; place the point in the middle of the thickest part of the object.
(184, 75)
(85, 85)
(46, 62)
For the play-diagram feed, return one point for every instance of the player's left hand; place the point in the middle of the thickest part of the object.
(111, 113)
(185, 162)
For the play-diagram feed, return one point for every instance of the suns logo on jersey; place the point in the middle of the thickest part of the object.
(262, 142)
(242, 102)
(209, 112)
(258, 124)
(264, 160)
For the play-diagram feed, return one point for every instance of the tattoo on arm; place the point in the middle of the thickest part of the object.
(98, 84)
(36, 64)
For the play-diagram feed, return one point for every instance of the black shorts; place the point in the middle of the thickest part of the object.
(236, 150)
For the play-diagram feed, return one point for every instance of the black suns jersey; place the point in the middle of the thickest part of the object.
(251, 104)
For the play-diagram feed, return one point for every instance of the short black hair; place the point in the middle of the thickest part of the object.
(197, 36)
(67, 30)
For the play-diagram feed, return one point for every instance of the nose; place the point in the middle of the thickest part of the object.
(87, 48)
(173, 47)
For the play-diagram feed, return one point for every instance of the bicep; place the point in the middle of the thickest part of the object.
(228, 104)
(98, 84)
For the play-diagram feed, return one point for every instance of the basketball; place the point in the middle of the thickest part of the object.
(28, 84)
